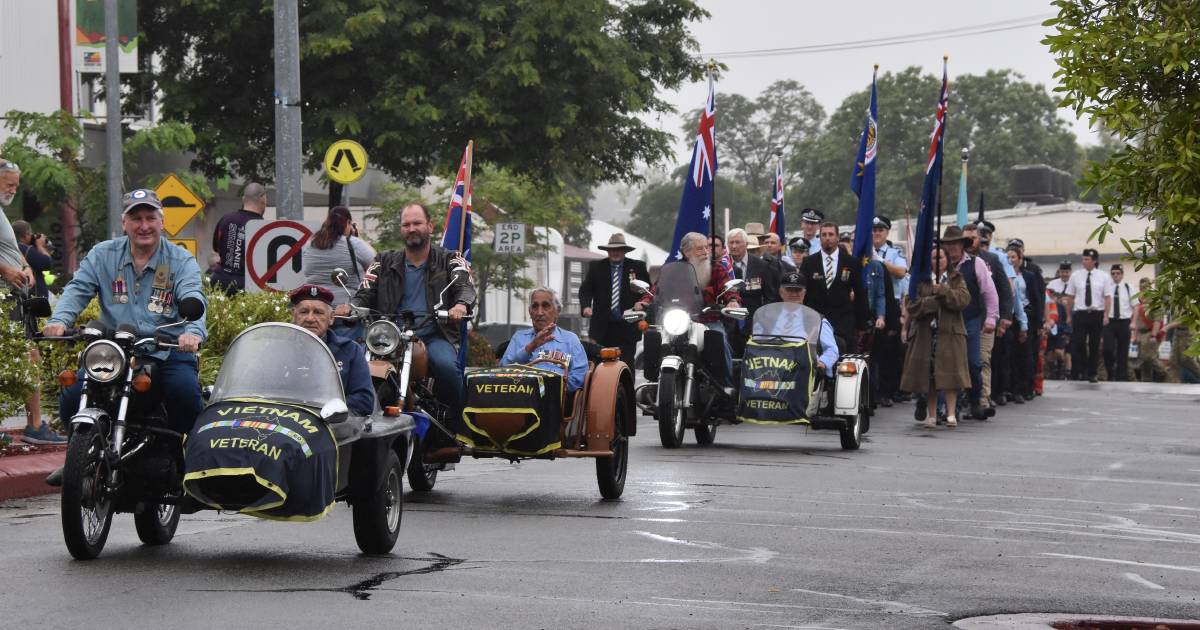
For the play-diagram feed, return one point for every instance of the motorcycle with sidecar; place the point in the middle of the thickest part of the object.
(776, 381)
(275, 440)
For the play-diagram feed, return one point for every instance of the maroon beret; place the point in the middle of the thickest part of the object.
(311, 292)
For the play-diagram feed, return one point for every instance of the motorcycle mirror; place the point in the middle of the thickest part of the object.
(641, 286)
(38, 306)
(335, 411)
(339, 276)
(191, 308)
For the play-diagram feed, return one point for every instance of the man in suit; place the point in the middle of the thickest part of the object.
(836, 289)
(761, 288)
(606, 292)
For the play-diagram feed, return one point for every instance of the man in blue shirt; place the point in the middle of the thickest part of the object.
(547, 340)
(888, 352)
(312, 310)
(139, 279)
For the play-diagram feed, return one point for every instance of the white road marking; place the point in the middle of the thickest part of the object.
(1128, 562)
(1143, 581)
(888, 605)
(757, 555)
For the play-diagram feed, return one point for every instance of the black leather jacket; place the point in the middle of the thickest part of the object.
(387, 291)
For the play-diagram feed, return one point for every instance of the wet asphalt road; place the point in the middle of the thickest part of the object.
(1086, 500)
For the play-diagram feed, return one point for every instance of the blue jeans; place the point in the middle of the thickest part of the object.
(975, 356)
(447, 373)
(719, 327)
(176, 382)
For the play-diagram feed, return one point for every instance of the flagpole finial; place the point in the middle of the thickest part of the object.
(876, 66)
(945, 58)
(712, 66)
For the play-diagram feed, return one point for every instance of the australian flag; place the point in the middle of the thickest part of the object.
(862, 182)
(777, 206)
(457, 233)
(695, 206)
(922, 248)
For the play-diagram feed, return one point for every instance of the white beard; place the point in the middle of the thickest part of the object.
(5, 200)
(703, 268)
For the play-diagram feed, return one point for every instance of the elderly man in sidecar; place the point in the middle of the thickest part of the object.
(547, 341)
(312, 309)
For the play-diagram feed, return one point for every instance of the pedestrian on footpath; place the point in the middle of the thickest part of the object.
(15, 273)
(1089, 294)
(1148, 332)
(229, 239)
(1119, 330)
(938, 334)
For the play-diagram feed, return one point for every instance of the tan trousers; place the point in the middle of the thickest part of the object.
(986, 341)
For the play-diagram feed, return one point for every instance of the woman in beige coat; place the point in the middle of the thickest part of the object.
(942, 303)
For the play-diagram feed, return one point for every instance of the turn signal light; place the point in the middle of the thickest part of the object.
(847, 369)
(391, 411)
(66, 378)
(610, 354)
(141, 383)
(643, 326)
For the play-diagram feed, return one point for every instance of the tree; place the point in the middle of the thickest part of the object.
(749, 133)
(544, 87)
(1132, 68)
(1001, 118)
(653, 218)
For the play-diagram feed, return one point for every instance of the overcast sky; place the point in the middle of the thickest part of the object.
(751, 25)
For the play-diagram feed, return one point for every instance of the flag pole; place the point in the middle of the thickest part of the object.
(712, 209)
(463, 218)
(937, 244)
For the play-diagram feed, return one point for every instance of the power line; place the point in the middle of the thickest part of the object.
(895, 40)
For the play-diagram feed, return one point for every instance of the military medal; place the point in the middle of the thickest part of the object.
(119, 293)
(162, 276)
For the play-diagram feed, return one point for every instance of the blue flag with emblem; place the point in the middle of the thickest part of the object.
(862, 181)
(695, 205)
(921, 266)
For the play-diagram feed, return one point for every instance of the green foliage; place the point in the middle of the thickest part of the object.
(1133, 68)
(1003, 120)
(543, 86)
(228, 316)
(653, 218)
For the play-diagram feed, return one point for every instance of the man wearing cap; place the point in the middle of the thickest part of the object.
(890, 349)
(606, 292)
(139, 279)
(761, 285)
(791, 290)
(810, 224)
(1089, 298)
(1117, 332)
(797, 250)
(312, 310)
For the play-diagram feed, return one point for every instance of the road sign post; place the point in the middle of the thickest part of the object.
(510, 239)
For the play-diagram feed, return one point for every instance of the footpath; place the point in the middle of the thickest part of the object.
(23, 467)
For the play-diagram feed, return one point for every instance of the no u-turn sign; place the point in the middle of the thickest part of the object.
(274, 254)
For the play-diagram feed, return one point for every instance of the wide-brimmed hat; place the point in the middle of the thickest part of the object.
(752, 242)
(617, 241)
(953, 233)
(756, 229)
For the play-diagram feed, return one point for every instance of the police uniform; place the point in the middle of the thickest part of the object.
(350, 357)
(145, 299)
(890, 346)
(811, 216)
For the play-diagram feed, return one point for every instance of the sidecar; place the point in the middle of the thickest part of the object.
(276, 440)
(520, 412)
(780, 382)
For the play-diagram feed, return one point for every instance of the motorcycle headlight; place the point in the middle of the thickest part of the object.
(676, 321)
(103, 361)
(383, 337)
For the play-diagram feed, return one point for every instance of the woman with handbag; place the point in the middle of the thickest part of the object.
(337, 245)
(935, 322)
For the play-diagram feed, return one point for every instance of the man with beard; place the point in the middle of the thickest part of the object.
(711, 278)
(761, 287)
(412, 280)
(836, 289)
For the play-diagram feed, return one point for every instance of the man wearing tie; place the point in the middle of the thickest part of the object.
(1089, 298)
(1118, 332)
(606, 293)
(836, 289)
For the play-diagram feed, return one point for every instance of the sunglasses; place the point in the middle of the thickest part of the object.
(5, 165)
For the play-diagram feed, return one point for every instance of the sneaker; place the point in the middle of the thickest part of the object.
(42, 435)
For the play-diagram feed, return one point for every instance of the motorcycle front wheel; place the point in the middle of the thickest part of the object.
(670, 409)
(87, 509)
(421, 476)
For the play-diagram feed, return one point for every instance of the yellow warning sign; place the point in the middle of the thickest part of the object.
(179, 204)
(186, 243)
(345, 161)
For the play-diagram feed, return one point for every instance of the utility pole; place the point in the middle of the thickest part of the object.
(289, 200)
(112, 116)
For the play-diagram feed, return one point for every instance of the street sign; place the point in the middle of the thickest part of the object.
(179, 204)
(186, 243)
(345, 161)
(273, 254)
(510, 238)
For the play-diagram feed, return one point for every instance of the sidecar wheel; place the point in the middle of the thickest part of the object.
(156, 524)
(377, 520)
(852, 434)
(610, 471)
(421, 476)
(706, 434)
(87, 510)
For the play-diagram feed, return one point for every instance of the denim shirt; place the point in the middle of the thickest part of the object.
(563, 341)
(112, 260)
